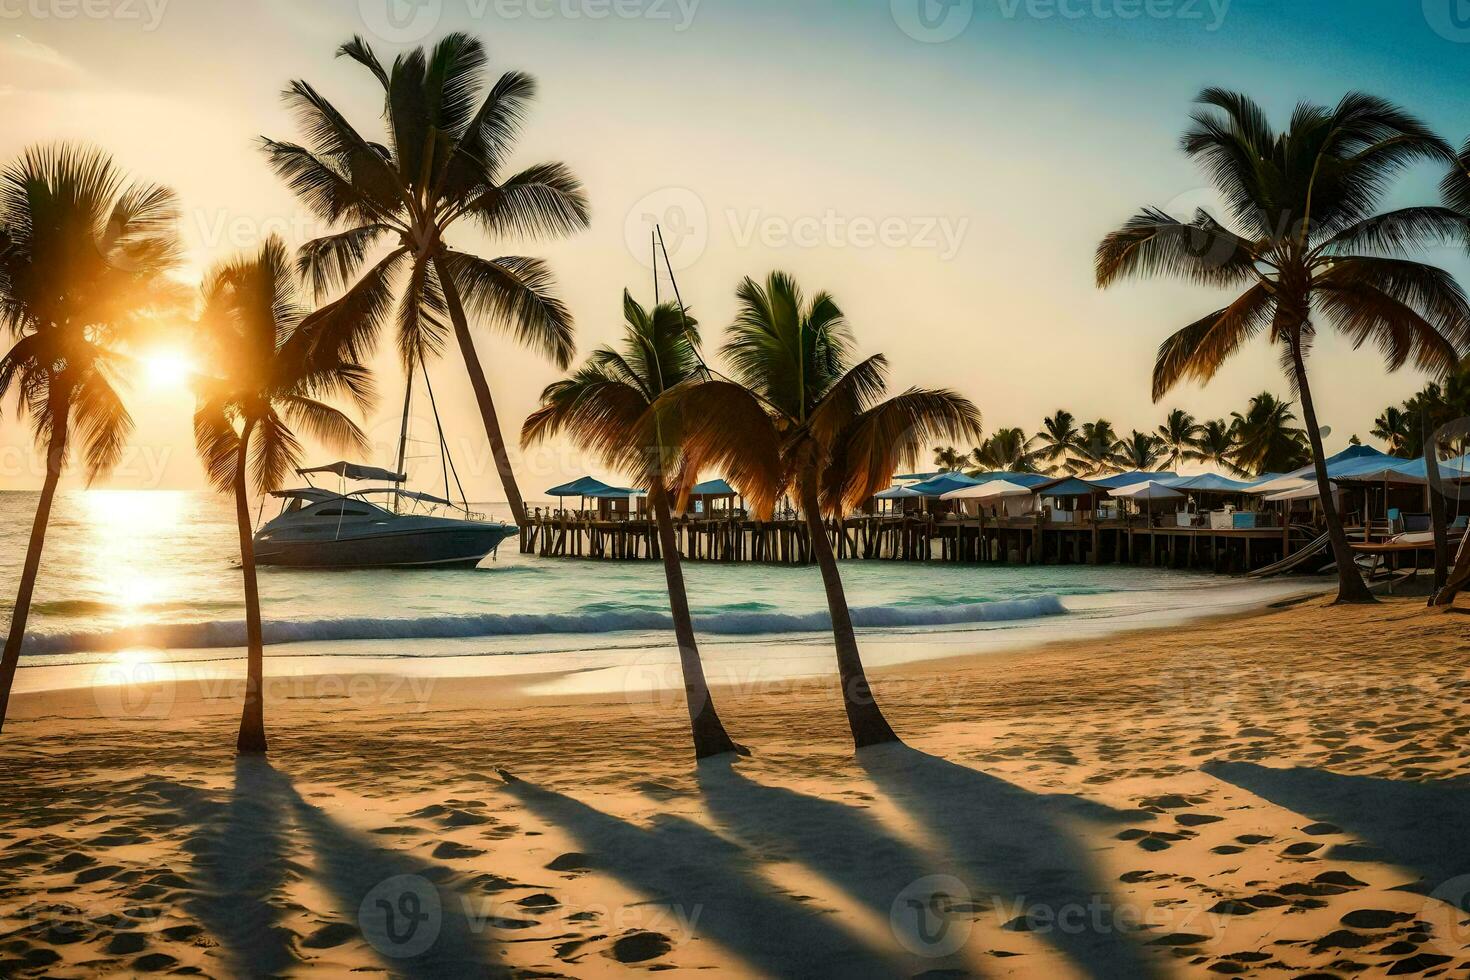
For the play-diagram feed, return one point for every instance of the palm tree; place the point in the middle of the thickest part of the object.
(83, 256)
(1216, 445)
(1057, 440)
(265, 376)
(1140, 451)
(1392, 427)
(1265, 439)
(606, 407)
(948, 458)
(1096, 448)
(1180, 436)
(1006, 451)
(442, 164)
(1304, 203)
(800, 414)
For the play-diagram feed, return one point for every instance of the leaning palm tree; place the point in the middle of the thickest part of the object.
(1308, 248)
(800, 415)
(1392, 427)
(1216, 445)
(1140, 451)
(1006, 452)
(442, 166)
(1180, 436)
(606, 407)
(1266, 441)
(1057, 441)
(1096, 448)
(83, 259)
(264, 377)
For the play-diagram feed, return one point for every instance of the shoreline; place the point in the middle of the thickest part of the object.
(648, 660)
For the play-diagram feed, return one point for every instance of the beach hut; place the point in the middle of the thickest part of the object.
(1071, 499)
(713, 498)
(1147, 493)
(899, 499)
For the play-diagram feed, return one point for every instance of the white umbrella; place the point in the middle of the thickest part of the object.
(1151, 490)
(984, 491)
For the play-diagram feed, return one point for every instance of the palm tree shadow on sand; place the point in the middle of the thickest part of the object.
(1010, 850)
(243, 854)
(241, 857)
(1413, 825)
(703, 883)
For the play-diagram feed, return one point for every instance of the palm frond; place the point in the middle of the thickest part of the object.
(515, 294)
(894, 433)
(1198, 350)
(1152, 243)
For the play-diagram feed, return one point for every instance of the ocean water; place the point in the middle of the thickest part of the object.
(156, 571)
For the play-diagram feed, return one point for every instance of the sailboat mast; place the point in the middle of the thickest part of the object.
(403, 436)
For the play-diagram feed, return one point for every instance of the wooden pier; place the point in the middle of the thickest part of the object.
(1017, 540)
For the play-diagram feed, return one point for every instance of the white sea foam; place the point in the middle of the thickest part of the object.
(231, 633)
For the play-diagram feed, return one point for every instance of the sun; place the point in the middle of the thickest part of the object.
(167, 367)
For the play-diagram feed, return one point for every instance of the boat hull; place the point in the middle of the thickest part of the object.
(456, 545)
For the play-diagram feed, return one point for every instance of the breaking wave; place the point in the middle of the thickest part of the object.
(231, 633)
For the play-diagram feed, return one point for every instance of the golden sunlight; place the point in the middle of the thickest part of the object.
(167, 367)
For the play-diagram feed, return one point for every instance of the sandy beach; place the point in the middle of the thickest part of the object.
(1273, 794)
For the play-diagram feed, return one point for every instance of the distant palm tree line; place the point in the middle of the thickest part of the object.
(1404, 428)
(1262, 439)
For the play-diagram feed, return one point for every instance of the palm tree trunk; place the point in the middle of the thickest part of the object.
(1350, 587)
(252, 716)
(710, 737)
(864, 717)
(482, 393)
(55, 461)
(1436, 505)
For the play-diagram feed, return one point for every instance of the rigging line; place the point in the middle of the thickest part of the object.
(439, 428)
(659, 235)
(447, 461)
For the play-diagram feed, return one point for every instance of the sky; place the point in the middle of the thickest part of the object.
(944, 167)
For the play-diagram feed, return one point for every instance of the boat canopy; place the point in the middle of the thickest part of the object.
(427, 498)
(356, 471)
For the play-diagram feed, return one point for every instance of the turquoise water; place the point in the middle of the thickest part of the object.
(156, 570)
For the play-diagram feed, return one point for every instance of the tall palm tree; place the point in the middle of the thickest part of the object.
(1140, 451)
(1058, 439)
(1310, 248)
(1180, 436)
(442, 165)
(264, 377)
(948, 458)
(83, 258)
(1005, 451)
(1266, 441)
(1392, 428)
(801, 414)
(1216, 445)
(607, 407)
(1096, 448)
